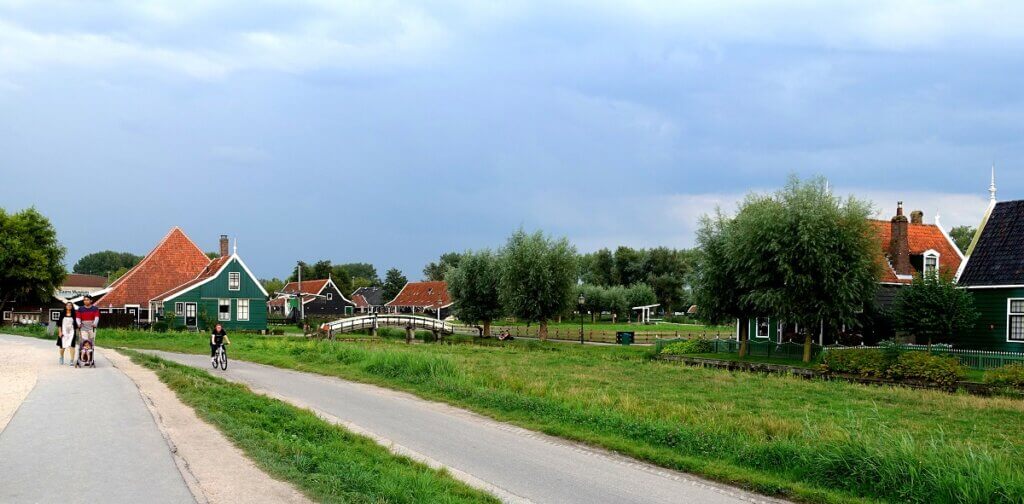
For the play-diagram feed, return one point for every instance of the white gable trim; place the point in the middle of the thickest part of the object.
(342, 294)
(234, 257)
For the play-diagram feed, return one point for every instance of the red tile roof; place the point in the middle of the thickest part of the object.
(211, 269)
(81, 280)
(422, 295)
(360, 301)
(281, 301)
(174, 261)
(308, 286)
(922, 238)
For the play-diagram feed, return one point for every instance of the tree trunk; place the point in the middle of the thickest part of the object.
(592, 315)
(487, 329)
(744, 338)
(543, 332)
(807, 347)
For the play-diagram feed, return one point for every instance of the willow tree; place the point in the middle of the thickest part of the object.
(800, 254)
(537, 277)
(716, 282)
(473, 285)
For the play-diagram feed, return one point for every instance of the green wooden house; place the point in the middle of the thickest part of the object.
(994, 274)
(224, 292)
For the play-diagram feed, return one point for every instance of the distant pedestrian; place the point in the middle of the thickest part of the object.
(88, 320)
(67, 327)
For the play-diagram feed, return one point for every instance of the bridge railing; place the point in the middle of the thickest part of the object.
(388, 320)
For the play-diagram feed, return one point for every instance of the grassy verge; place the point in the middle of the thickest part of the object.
(608, 326)
(751, 358)
(325, 461)
(811, 440)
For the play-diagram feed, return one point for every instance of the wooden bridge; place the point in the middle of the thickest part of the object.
(376, 320)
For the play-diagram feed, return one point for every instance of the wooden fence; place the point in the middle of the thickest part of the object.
(592, 336)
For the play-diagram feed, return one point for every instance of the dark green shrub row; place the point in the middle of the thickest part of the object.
(872, 363)
(1010, 375)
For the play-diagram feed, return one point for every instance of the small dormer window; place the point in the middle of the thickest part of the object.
(931, 263)
(330, 296)
(234, 281)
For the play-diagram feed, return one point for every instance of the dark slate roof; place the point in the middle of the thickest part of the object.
(998, 257)
(373, 295)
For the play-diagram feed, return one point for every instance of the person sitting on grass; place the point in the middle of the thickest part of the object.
(218, 338)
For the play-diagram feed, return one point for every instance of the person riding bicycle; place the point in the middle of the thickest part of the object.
(218, 338)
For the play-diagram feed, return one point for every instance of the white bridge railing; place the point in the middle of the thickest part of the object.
(374, 321)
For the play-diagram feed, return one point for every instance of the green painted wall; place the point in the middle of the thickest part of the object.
(990, 331)
(207, 296)
(773, 329)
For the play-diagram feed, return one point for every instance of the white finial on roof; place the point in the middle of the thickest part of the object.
(236, 246)
(992, 186)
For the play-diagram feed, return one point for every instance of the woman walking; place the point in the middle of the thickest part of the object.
(67, 325)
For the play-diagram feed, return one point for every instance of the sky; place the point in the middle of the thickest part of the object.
(390, 132)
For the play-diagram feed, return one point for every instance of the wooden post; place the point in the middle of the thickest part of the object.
(409, 334)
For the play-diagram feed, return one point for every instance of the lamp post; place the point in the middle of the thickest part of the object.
(582, 301)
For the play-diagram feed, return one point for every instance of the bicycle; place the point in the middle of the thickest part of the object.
(220, 358)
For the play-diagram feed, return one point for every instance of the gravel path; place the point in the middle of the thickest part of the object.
(515, 464)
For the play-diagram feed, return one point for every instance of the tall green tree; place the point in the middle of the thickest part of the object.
(394, 280)
(340, 277)
(31, 258)
(436, 271)
(473, 285)
(716, 280)
(629, 266)
(806, 256)
(962, 236)
(538, 275)
(640, 294)
(933, 308)
(365, 271)
(105, 262)
(272, 285)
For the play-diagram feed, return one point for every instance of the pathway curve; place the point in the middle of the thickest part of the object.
(83, 435)
(516, 464)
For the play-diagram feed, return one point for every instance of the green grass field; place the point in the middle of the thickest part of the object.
(809, 440)
(325, 461)
(569, 325)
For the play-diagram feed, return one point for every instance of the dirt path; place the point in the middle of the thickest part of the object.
(19, 370)
(222, 473)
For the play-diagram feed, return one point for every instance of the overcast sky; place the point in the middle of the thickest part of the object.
(391, 132)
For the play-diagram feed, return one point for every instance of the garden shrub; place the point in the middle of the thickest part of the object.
(278, 332)
(888, 363)
(1010, 375)
(692, 346)
(937, 369)
(160, 326)
(869, 363)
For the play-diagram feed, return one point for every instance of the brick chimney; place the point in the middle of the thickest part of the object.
(224, 246)
(917, 217)
(899, 247)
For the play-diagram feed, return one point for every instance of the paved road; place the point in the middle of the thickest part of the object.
(525, 465)
(84, 435)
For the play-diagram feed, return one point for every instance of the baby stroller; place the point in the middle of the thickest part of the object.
(85, 355)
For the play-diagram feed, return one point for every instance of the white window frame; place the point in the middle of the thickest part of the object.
(757, 327)
(221, 316)
(179, 309)
(924, 261)
(234, 281)
(54, 315)
(8, 315)
(1009, 317)
(330, 296)
(238, 310)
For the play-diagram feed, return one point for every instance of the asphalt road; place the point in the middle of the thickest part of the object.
(85, 435)
(525, 466)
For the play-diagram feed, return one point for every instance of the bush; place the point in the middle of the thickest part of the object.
(160, 326)
(937, 369)
(890, 363)
(692, 346)
(1010, 375)
(278, 332)
(869, 363)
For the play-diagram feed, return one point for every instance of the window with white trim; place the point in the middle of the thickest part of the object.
(54, 315)
(234, 281)
(8, 315)
(242, 309)
(763, 328)
(931, 263)
(1015, 320)
(223, 310)
(179, 308)
(330, 296)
